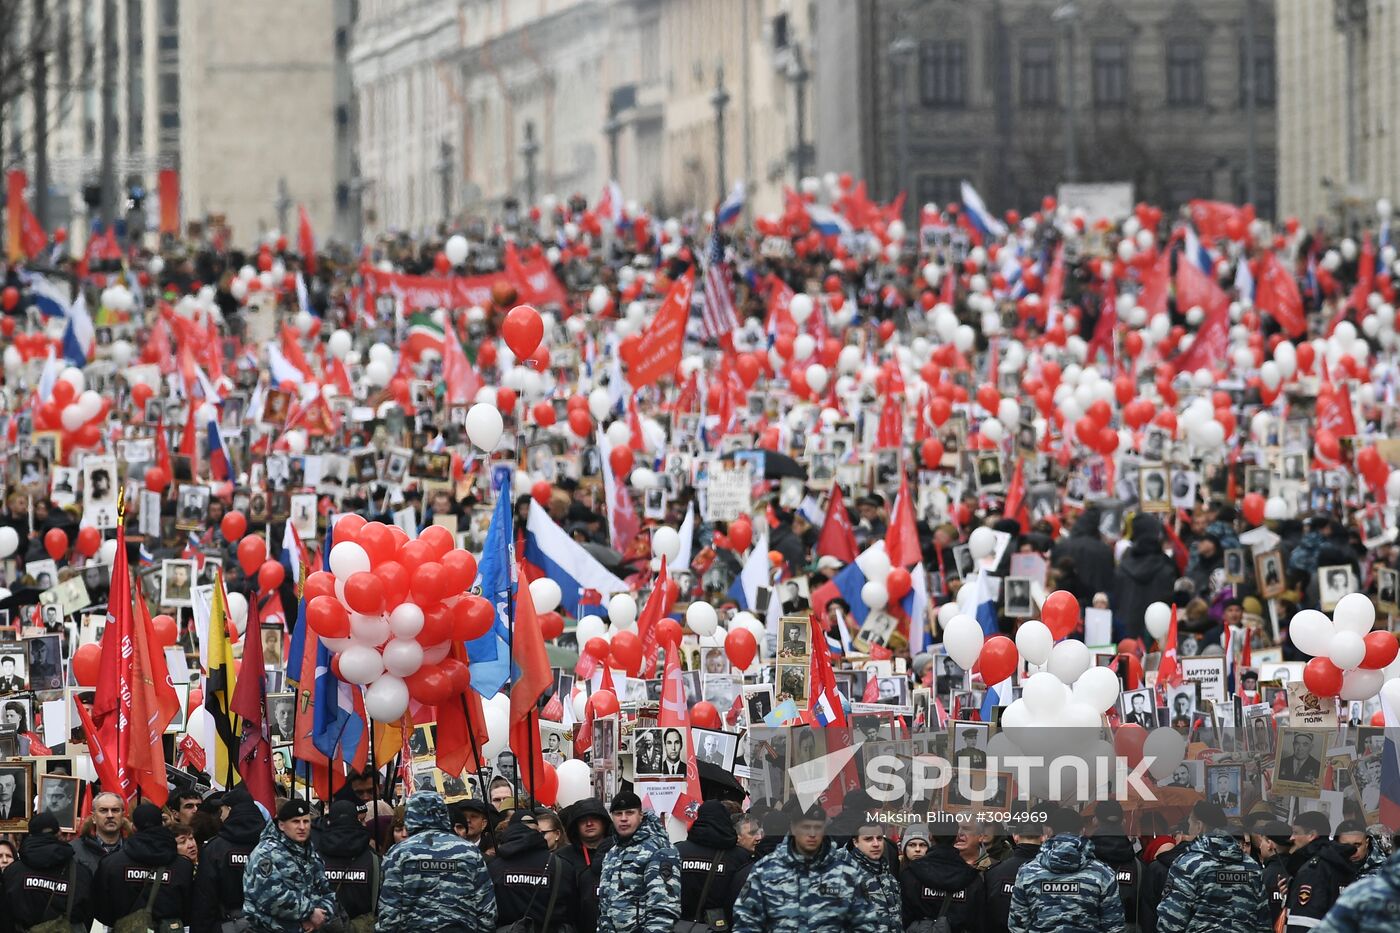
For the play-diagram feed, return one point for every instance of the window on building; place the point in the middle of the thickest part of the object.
(780, 32)
(943, 73)
(170, 119)
(937, 189)
(1264, 93)
(1110, 60)
(1038, 73)
(169, 90)
(1186, 73)
(169, 14)
(169, 42)
(64, 42)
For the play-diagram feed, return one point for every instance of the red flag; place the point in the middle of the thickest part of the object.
(635, 438)
(249, 703)
(32, 237)
(15, 182)
(111, 704)
(825, 700)
(461, 728)
(779, 321)
(1155, 282)
(168, 186)
(660, 351)
(1169, 672)
(1016, 497)
(1212, 218)
(652, 614)
(189, 446)
(675, 714)
(306, 240)
(102, 758)
(291, 350)
(303, 748)
(838, 538)
(1179, 552)
(1194, 287)
(902, 538)
(1277, 294)
(1054, 284)
(1334, 410)
(1103, 330)
(528, 653)
(459, 377)
(154, 705)
(525, 744)
(890, 432)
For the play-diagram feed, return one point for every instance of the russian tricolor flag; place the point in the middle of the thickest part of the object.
(557, 556)
(978, 214)
(826, 221)
(49, 298)
(732, 207)
(79, 337)
(1197, 253)
(219, 466)
(978, 598)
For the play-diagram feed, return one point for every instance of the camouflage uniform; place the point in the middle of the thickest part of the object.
(791, 893)
(640, 887)
(1065, 889)
(1214, 887)
(1375, 858)
(283, 883)
(434, 879)
(882, 887)
(1372, 904)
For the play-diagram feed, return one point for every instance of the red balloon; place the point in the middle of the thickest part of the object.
(427, 583)
(56, 542)
(1253, 508)
(740, 647)
(348, 527)
(140, 394)
(540, 492)
(704, 715)
(580, 422)
(1060, 613)
(270, 575)
(460, 567)
(394, 579)
(523, 331)
(989, 398)
(327, 617)
(167, 632)
(740, 535)
(459, 673)
(415, 553)
(603, 703)
(668, 632)
(157, 478)
(364, 593)
(932, 452)
(252, 551)
(89, 540)
(9, 298)
(998, 659)
(1128, 741)
(551, 625)
(378, 542)
(626, 652)
(319, 583)
(233, 526)
(620, 459)
(439, 539)
(86, 664)
(899, 583)
(939, 409)
(430, 684)
(1326, 442)
(748, 368)
(442, 264)
(597, 648)
(438, 624)
(63, 393)
(1322, 677)
(1381, 649)
(472, 617)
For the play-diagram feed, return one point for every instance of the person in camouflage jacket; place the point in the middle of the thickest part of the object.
(1215, 886)
(284, 882)
(806, 885)
(1064, 889)
(434, 879)
(867, 853)
(640, 887)
(1371, 904)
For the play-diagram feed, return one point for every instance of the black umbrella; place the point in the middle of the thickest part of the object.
(718, 784)
(776, 465)
(611, 560)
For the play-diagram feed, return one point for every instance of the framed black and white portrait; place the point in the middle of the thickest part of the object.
(715, 747)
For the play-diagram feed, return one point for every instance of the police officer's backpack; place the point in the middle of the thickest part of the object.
(939, 924)
(526, 925)
(143, 920)
(66, 924)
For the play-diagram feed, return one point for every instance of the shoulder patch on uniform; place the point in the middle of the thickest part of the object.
(1059, 887)
(265, 867)
(1304, 894)
(1232, 876)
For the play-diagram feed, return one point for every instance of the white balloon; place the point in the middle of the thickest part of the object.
(1097, 687)
(546, 594)
(484, 426)
(1034, 640)
(963, 637)
(982, 542)
(377, 373)
(71, 417)
(575, 782)
(386, 700)
(1346, 650)
(497, 730)
(1276, 509)
(1158, 619)
(702, 618)
(803, 347)
(666, 542)
(874, 594)
(406, 620)
(1008, 413)
(817, 378)
(237, 605)
(348, 558)
(403, 656)
(599, 404)
(1354, 613)
(618, 433)
(1392, 485)
(340, 343)
(456, 249)
(1311, 632)
(643, 478)
(1044, 694)
(1167, 749)
(360, 665)
(590, 627)
(622, 610)
(874, 563)
(74, 377)
(369, 630)
(1069, 659)
(9, 541)
(1361, 684)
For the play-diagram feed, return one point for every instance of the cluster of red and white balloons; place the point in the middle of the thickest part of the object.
(76, 411)
(1349, 660)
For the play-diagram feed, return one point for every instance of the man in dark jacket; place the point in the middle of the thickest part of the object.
(1000, 879)
(941, 884)
(590, 832)
(525, 876)
(108, 819)
(1146, 575)
(218, 882)
(712, 843)
(1320, 869)
(352, 868)
(1272, 845)
(1154, 882)
(1112, 847)
(44, 881)
(124, 879)
(1093, 558)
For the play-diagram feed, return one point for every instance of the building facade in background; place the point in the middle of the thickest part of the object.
(1339, 97)
(926, 93)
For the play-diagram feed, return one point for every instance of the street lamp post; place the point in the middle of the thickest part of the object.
(530, 151)
(612, 129)
(444, 169)
(1067, 16)
(797, 74)
(720, 100)
(282, 205)
(901, 53)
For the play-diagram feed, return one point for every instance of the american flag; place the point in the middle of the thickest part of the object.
(719, 319)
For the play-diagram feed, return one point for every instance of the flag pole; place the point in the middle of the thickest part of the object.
(373, 761)
(519, 569)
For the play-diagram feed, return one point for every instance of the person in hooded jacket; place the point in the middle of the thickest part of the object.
(868, 850)
(1154, 881)
(1090, 554)
(526, 874)
(352, 868)
(712, 841)
(1214, 886)
(589, 829)
(1368, 905)
(1000, 880)
(1064, 889)
(941, 883)
(1145, 575)
(1114, 849)
(640, 888)
(46, 882)
(124, 878)
(218, 881)
(434, 879)
(1319, 867)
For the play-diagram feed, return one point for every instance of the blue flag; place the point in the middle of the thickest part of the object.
(490, 654)
(336, 728)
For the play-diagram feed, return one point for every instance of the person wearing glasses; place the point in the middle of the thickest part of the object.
(526, 875)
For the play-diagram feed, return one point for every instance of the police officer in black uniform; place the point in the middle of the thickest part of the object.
(1272, 845)
(352, 868)
(218, 882)
(125, 878)
(526, 878)
(712, 842)
(999, 880)
(941, 884)
(46, 882)
(1320, 869)
(589, 828)
(1114, 849)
